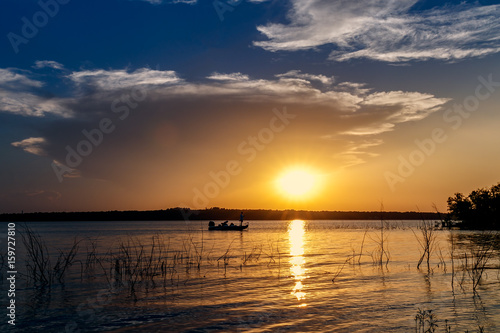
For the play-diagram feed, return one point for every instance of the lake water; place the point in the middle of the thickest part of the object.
(274, 277)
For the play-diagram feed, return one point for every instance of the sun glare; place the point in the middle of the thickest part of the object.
(297, 183)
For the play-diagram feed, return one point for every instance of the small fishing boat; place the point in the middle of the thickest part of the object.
(226, 226)
(447, 224)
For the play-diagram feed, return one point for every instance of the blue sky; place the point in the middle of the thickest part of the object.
(366, 79)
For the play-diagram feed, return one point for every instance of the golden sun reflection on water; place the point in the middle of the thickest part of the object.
(296, 235)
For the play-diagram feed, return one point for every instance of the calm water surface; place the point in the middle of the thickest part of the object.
(274, 277)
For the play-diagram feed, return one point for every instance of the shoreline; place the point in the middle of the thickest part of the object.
(184, 214)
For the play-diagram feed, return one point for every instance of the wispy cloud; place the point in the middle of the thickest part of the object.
(356, 153)
(18, 94)
(417, 106)
(48, 64)
(310, 77)
(28, 104)
(372, 129)
(13, 79)
(228, 77)
(392, 108)
(32, 145)
(386, 30)
(120, 79)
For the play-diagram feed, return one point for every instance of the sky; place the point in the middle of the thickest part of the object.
(292, 104)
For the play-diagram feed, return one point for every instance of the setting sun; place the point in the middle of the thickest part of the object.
(297, 182)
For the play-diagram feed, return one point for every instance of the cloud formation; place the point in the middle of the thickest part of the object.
(47, 63)
(228, 77)
(309, 77)
(222, 105)
(32, 145)
(20, 95)
(120, 79)
(10, 78)
(356, 152)
(386, 30)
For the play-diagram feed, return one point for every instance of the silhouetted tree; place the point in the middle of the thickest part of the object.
(479, 210)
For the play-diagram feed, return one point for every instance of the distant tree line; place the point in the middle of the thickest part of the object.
(479, 210)
(215, 213)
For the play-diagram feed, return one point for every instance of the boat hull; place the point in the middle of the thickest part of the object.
(228, 227)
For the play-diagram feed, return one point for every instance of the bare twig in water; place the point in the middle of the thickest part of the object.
(427, 243)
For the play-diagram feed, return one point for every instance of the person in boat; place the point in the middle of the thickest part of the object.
(241, 217)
